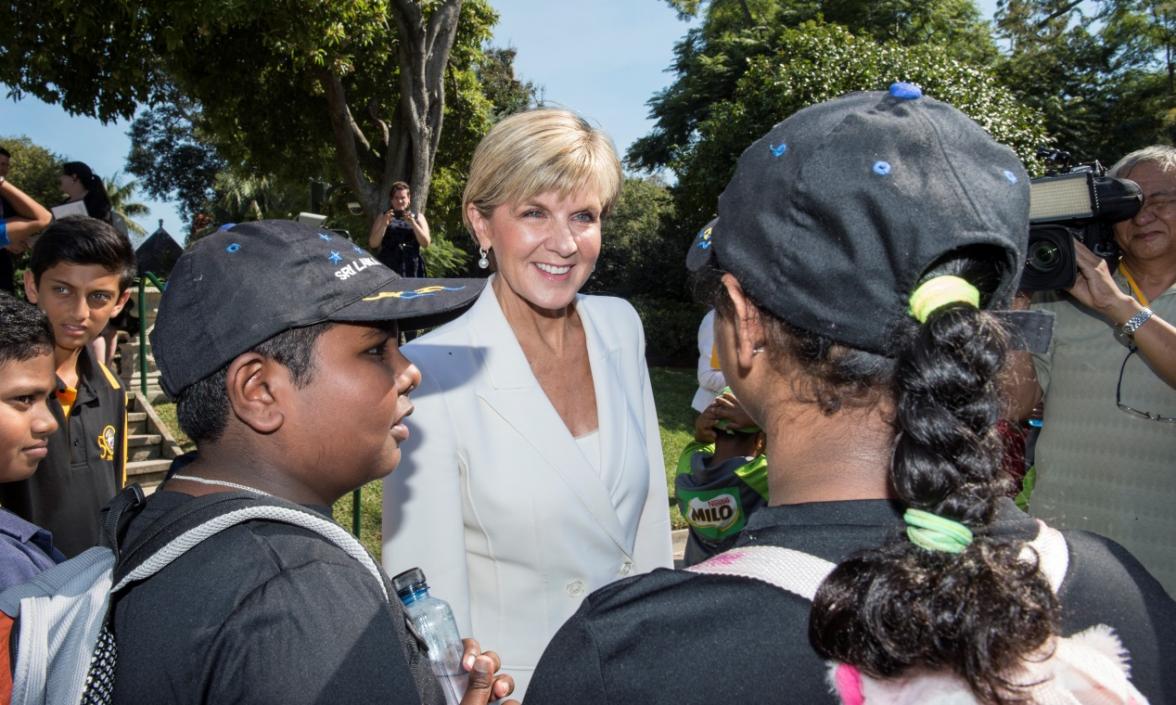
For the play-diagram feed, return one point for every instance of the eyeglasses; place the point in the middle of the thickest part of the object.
(1157, 204)
(1136, 412)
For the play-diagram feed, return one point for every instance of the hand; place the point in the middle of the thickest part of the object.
(1094, 287)
(484, 685)
(727, 408)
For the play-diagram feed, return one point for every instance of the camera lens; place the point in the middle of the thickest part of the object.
(1043, 256)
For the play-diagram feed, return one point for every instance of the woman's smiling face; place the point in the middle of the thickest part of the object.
(545, 247)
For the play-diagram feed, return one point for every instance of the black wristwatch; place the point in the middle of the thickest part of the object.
(1125, 333)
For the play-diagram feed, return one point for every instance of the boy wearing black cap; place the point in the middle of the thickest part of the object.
(279, 344)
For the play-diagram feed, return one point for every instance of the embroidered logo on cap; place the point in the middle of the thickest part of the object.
(413, 293)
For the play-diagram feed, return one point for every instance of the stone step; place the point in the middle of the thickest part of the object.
(144, 447)
(152, 378)
(136, 423)
(128, 361)
(155, 395)
(148, 473)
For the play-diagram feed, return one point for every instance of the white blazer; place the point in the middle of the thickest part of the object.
(493, 497)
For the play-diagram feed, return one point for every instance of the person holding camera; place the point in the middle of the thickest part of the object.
(1106, 456)
(399, 234)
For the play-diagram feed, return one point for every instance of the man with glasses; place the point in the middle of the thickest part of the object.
(1106, 456)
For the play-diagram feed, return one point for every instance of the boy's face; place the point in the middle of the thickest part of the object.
(25, 420)
(79, 299)
(350, 417)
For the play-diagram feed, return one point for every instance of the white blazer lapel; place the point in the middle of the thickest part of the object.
(511, 389)
(615, 416)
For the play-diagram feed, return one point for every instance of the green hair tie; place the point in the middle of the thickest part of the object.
(936, 533)
(937, 292)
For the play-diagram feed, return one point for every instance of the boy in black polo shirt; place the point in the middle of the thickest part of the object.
(78, 275)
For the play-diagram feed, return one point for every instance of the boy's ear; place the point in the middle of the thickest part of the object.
(30, 286)
(122, 301)
(251, 383)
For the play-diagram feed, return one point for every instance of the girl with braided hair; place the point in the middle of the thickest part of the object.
(864, 252)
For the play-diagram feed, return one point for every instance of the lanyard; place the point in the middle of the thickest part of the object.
(1139, 296)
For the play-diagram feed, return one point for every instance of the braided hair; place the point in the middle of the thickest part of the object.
(978, 613)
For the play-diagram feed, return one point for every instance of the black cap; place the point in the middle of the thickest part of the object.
(239, 287)
(835, 214)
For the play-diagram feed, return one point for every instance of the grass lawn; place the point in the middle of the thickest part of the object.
(672, 391)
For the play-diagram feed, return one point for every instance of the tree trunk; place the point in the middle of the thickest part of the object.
(424, 54)
(408, 146)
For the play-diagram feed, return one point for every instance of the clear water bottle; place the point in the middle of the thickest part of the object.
(432, 620)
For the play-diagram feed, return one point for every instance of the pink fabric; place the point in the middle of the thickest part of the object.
(849, 684)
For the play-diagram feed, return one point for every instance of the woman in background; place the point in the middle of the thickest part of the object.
(534, 473)
(399, 234)
(80, 183)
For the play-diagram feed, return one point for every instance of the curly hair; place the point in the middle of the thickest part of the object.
(888, 609)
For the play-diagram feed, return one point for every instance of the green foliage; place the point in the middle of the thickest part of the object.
(283, 92)
(710, 59)
(779, 72)
(1101, 72)
(632, 260)
(673, 390)
(671, 326)
(35, 170)
(171, 157)
(121, 197)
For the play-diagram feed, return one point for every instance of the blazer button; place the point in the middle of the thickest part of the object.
(626, 567)
(576, 588)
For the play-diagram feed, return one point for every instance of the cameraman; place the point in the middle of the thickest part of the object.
(1106, 456)
(399, 235)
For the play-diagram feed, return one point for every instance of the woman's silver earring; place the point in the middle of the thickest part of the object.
(757, 350)
(484, 260)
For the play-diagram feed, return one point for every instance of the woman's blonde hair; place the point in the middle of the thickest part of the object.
(539, 151)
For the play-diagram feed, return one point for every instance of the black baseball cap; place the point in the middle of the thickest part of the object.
(835, 214)
(239, 287)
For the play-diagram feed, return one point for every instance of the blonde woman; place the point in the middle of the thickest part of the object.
(534, 473)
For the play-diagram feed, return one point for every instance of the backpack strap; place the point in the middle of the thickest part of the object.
(175, 533)
(802, 573)
(1053, 554)
(795, 571)
(118, 513)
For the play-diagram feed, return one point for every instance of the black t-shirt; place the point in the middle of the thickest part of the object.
(262, 613)
(399, 249)
(679, 637)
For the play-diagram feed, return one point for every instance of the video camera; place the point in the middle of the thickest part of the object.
(1069, 203)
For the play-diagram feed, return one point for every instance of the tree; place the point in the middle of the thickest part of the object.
(120, 195)
(362, 84)
(171, 157)
(630, 241)
(1101, 71)
(36, 170)
(955, 24)
(710, 59)
(785, 69)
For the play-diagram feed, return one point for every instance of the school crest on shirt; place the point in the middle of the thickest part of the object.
(106, 441)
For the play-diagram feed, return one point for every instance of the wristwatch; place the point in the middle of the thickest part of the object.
(1125, 333)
